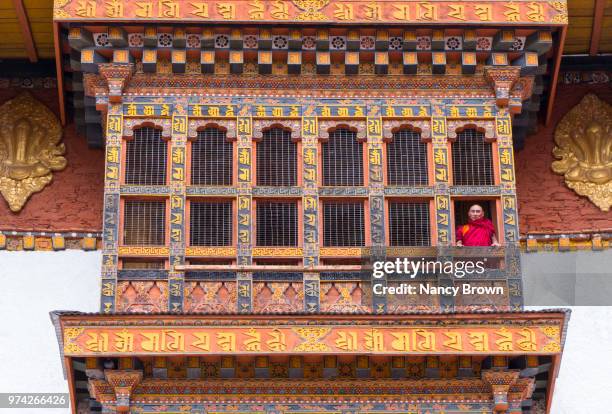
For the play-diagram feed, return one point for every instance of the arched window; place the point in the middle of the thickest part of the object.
(146, 158)
(211, 158)
(409, 223)
(472, 159)
(276, 159)
(342, 159)
(407, 159)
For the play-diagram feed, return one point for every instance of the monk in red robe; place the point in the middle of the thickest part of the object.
(478, 232)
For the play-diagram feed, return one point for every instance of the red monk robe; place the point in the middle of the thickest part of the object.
(479, 232)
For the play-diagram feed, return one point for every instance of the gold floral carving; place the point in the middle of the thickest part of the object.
(29, 149)
(58, 9)
(312, 336)
(583, 141)
(70, 334)
(561, 8)
(311, 9)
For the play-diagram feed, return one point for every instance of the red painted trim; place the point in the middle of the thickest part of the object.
(71, 385)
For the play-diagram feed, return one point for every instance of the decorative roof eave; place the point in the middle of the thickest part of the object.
(435, 12)
(461, 86)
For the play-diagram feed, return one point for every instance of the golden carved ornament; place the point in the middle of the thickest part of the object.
(311, 9)
(29, 149)
(583, 141)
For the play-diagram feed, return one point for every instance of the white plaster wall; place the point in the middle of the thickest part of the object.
(32, 285)
(35, 283)
(584, 382)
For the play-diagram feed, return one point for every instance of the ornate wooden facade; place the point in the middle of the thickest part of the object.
(315, 71)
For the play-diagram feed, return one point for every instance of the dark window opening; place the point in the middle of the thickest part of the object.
(211, 158)
(210, 223)
(409, 224)
(144, 223)
(343, 224)
(342, 159)
(146, 158)
(276, 159)
(277, 223)
(472, 159)
(407, 159)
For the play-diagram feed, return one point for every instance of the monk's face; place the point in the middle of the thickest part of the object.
(475, 212)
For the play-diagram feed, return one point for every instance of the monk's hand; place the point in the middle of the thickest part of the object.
(460, 244)
(495, 244)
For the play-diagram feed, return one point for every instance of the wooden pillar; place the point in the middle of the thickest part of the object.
(442, 199)
(509, 207)
(178, 183)
(112, 174)
(244, 210)
(310, 208)
(376, 198)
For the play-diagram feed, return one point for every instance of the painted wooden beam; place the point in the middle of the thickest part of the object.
(598, 15)
(59, 72)
(26, 31)
(555, 75)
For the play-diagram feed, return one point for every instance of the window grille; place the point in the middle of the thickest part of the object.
(409, 224)
(343, 224)
(342, 159)
(407, 159)
(276, 159)
(210, 223)
(211, 158)
(146, 158)
(144, 223)
(276, 223)
(472, 159)
(141, 264)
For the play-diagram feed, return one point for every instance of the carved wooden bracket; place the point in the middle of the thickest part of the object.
(260, 125)
(116, 76)
(502, 79)
(226, 125)
(123, 383)
(500, 382)
(421, 126)
(359, 127)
